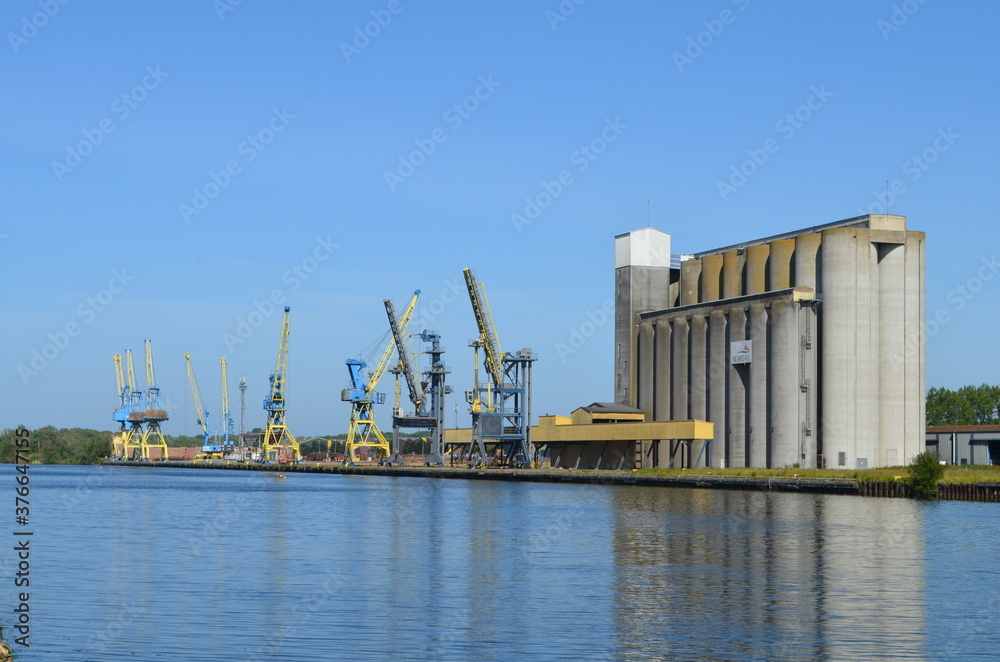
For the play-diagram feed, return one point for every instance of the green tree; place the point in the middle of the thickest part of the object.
(925, 471)
(969, 405)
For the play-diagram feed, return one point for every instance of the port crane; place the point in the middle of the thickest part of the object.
(500, 408)
(363, 430)
(427, 396)
(208, 449)
(132, 445)
(227, 421)
(121, 411)
(153, 415)
(278, 444)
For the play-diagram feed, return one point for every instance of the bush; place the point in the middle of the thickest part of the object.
(925, 471)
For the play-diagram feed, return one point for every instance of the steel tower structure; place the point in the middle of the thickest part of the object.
(278, 444)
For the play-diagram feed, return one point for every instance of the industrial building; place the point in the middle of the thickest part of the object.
(965, 444)
(803, 349)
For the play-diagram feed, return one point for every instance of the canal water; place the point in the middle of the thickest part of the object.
(174, 564)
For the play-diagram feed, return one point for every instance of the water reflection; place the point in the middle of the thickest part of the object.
(734, 575)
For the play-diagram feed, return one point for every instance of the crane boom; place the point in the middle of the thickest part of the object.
(196, 394)
(152, 390)
(133, 385)
(122, 393)
(406, 360)
(150, 376)
(227, 421)
(493, 355)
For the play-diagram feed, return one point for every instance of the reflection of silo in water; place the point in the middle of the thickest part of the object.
(710, 574)
(873, 577)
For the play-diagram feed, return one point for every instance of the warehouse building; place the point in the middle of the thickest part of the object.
(803, 349)
(965, 444)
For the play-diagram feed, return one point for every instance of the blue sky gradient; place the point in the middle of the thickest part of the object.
(488, 105)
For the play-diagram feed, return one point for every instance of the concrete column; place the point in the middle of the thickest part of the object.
(805, 267)
(690, 281)
(645, 368)
(732, 274)
(661, 379)
(759, 372)
(808, 332)
(839, 330)
(784, 378)
(718, 370)
(891, 359)
(914, 318)
(698, 344)
(780, 264)
(711, 277)
(679, 365)
(757, 268)
(678, 380)
(736, 421)
(866, 349)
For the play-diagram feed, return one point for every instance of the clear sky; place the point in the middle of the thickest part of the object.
(166, 167)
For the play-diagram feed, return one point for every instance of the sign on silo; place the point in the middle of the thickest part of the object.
(741, 352)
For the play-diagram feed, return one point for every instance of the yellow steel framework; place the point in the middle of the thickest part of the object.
(152, 437)
(278, 444)
(363, 427)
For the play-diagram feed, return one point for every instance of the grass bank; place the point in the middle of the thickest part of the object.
(953, 475)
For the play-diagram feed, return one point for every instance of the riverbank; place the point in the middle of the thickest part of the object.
(711, 479)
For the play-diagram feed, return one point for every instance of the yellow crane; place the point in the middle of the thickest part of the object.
(363, 431)
(121, 412)
(278, 444)
(208, 449)
(152, 437)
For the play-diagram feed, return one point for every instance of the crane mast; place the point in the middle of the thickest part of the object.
(278, 444)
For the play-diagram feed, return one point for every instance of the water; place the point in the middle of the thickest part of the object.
(171, 564)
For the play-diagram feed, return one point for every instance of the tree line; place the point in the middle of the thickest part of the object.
(969, 405)
(50, 445)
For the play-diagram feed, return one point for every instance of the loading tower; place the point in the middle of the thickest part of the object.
(501, 408)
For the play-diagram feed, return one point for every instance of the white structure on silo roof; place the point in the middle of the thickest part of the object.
(804, 348)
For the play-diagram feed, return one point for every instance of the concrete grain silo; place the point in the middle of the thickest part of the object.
(804, 348)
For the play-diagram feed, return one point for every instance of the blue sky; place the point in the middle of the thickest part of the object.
(196, 157)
